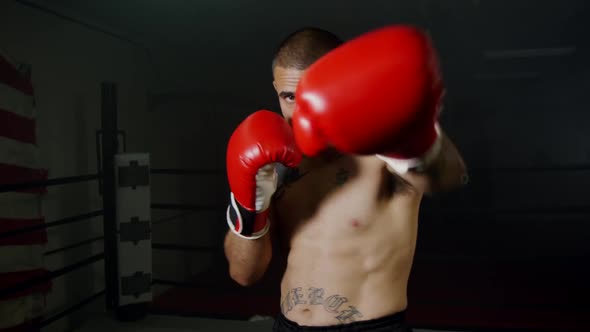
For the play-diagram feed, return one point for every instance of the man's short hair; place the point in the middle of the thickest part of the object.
(303, 47)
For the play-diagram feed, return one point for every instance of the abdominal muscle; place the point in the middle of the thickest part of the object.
(350, 258)
(333, 279)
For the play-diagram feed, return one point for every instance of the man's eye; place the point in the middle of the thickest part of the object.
(290, 98)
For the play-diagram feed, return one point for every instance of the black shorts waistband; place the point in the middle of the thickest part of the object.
(391, 322)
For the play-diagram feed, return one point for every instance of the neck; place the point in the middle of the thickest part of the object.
(325, 157)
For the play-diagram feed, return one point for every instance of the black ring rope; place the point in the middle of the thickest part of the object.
(49, 276)
(71, 309)
(74, 245)
(6, 187)
(63, 221)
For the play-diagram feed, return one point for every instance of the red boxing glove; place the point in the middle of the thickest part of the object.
(376, 94)
(262, 139)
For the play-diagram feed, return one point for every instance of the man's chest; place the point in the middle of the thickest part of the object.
(347, 193)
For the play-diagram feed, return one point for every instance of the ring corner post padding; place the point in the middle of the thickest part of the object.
(134, 241)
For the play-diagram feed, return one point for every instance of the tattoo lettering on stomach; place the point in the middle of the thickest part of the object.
(335, 304)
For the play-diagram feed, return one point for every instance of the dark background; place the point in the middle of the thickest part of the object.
(512, 245)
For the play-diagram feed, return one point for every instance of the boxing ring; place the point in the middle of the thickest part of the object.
(444, 294)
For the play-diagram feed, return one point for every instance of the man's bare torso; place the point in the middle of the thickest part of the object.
(349, 228)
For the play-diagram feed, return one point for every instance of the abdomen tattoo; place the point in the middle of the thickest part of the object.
(334, 304)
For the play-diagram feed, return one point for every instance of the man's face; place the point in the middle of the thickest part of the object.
(285, 83)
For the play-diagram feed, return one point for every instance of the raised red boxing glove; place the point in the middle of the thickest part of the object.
(376, 94)
(262, 139)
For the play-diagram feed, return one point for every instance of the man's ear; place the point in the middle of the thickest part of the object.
(274, 84)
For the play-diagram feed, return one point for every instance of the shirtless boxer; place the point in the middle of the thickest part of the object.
(345, 212)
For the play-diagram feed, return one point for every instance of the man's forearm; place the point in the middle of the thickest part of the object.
(447, 170)
(444, 172)
(248, 259)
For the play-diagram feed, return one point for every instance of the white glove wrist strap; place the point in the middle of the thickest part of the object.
(402, 166)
